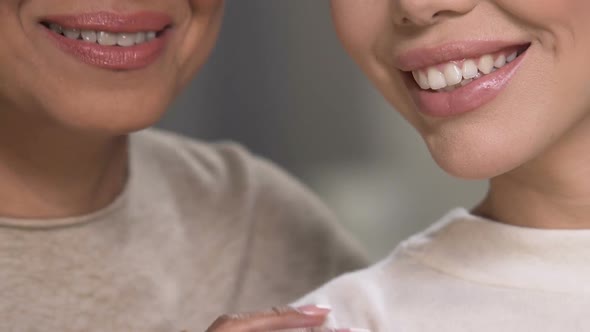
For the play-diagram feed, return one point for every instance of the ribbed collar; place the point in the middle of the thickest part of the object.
(490, 252)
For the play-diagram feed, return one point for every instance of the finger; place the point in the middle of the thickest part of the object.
(279, 318)
(324, 329)
(311, 329)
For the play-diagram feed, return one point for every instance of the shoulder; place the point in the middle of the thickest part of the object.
(300, 232)
(287, 221)
(383, 296)
(224, 167)
(356, 298)
(224, 171)
(377, 298)
(175, 150)
(227, 168)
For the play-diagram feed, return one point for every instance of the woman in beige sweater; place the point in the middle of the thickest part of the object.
(103, 231)
(498, 89)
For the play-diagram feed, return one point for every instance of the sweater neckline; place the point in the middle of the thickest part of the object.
(118, 203)
(485, 251)
(54, 223)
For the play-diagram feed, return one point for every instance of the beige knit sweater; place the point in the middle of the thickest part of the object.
(200, 230)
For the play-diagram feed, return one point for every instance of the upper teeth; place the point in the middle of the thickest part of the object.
(123, 39)
(455, 74)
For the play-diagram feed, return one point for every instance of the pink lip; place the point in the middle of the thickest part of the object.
(424, 57)
(112, 22)
(113, 57)
(467, 98)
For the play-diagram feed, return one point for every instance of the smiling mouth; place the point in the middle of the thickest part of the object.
(453, 75)
(105, 38)
(112, 41)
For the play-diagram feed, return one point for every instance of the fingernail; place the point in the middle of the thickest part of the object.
(315, 310)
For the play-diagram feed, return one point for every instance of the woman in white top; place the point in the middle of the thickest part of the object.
(498, 89)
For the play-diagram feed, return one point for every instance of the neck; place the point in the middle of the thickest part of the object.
(551, 192)
(48, 172)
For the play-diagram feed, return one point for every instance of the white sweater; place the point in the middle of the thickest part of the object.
(466, 273)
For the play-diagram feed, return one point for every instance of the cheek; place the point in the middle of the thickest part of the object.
(199, 36)
(359, 23)
(546, 14)
(366, 31)
(560, 26)
(538, 10)
(206, 3)
(561, 29)
(207, 6)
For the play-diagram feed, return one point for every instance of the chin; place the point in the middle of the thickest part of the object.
(471, 166)
(479, 152)
(112, 114)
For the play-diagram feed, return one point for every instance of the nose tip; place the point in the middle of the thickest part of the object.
(419, 20)
(415, 12)
(429, 12)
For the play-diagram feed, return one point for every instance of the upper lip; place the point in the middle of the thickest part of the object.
(112, 22)
(420, 58)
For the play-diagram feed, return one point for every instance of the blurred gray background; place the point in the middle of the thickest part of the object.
(280, 84)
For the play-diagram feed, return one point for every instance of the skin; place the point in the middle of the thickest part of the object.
(63, 123)
(305, 319)
(532, 140)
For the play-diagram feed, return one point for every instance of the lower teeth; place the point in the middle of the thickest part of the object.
(462, 84)
(465, 82)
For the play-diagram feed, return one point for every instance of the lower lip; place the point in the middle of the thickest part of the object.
(468, 98)
(112, 57)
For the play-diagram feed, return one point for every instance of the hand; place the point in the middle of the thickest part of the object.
(304, 319)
